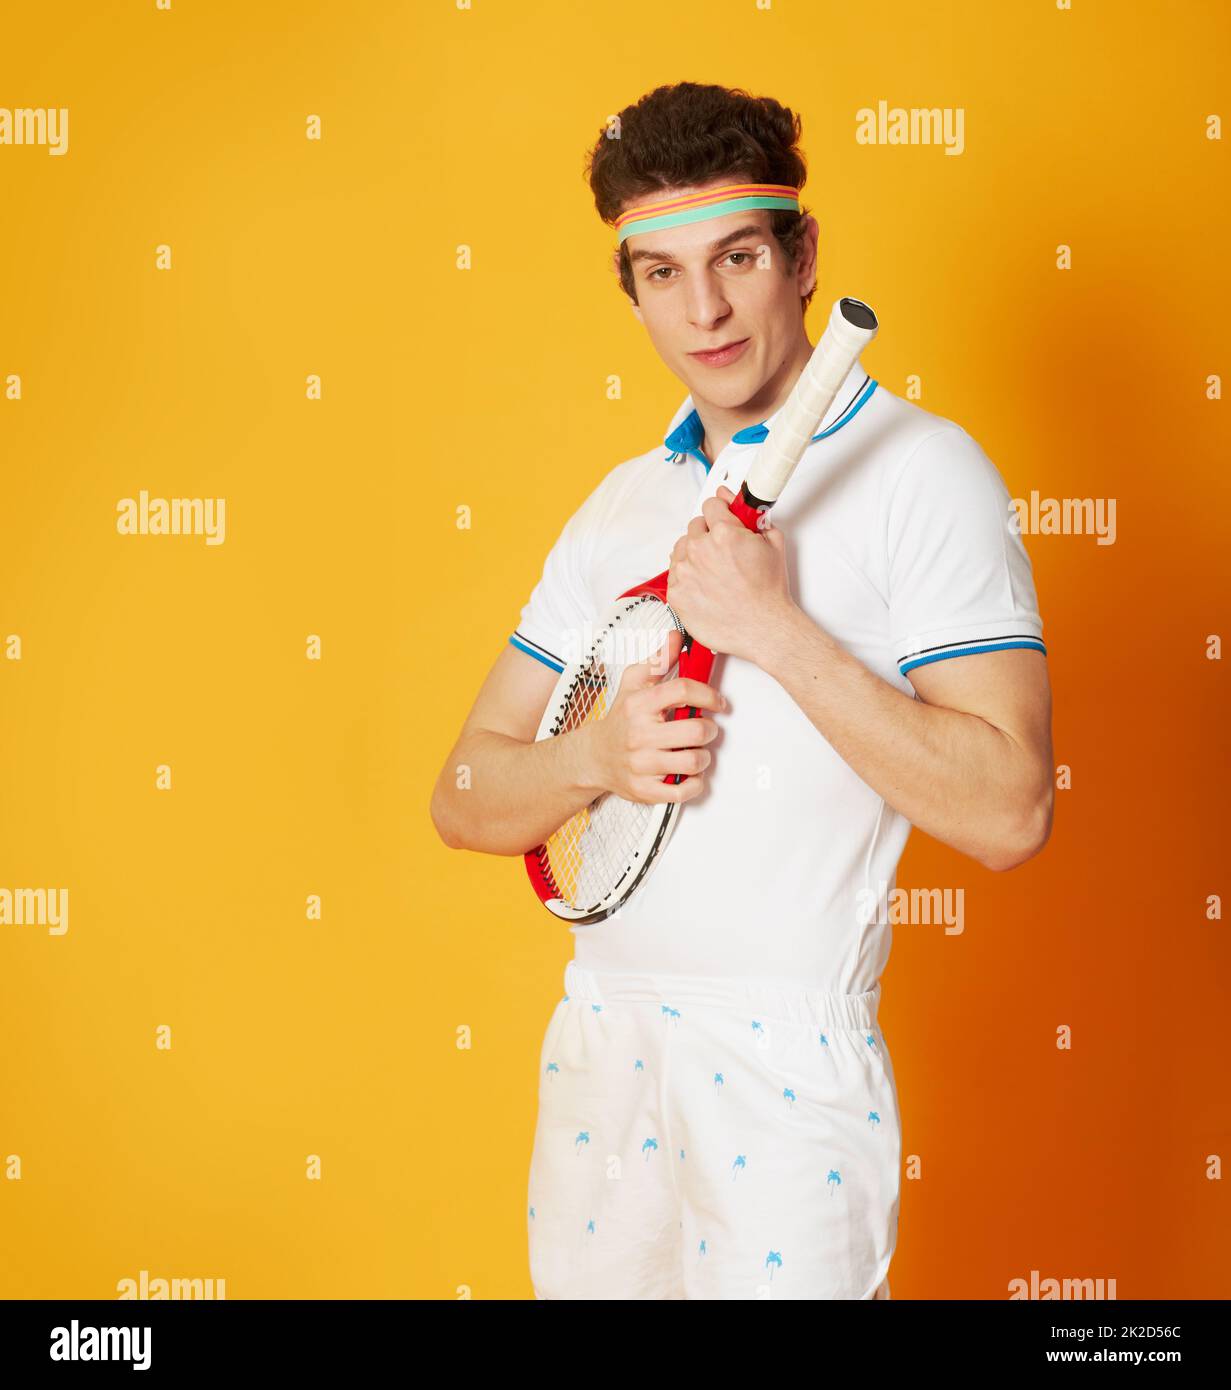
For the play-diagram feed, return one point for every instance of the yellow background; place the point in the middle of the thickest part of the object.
(486, 389)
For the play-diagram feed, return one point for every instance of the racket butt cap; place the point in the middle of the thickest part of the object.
(858, 314)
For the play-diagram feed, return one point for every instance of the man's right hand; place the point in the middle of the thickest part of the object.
(636, 744)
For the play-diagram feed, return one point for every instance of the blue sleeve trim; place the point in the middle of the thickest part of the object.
(1032, 645)
(521, 646)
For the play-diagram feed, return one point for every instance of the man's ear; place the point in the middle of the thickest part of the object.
(632, 303)
(807, 267)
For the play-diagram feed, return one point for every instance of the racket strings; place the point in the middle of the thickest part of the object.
(592, 853)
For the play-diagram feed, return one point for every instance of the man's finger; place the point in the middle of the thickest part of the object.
(717, 512)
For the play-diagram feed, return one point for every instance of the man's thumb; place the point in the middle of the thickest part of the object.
(655, 666)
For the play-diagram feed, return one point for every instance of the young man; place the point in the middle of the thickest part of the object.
(718, 1116)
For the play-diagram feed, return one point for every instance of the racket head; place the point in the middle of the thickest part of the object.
(594, 862)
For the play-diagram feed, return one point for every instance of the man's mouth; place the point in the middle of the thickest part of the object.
(719, 357)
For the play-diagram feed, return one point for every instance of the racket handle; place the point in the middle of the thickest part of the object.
(852, 326)
(749, 509)
(696, 663)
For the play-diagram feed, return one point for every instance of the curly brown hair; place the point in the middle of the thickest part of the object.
(692, 133)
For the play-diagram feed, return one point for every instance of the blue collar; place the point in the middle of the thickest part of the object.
(687, 436)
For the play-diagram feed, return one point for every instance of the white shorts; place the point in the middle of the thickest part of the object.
(706, 1137)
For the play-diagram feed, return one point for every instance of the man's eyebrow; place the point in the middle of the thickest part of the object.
(738, 235)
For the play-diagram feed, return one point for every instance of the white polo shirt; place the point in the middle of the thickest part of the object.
(899, 546)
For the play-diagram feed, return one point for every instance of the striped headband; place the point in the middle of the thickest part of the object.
(698, 207)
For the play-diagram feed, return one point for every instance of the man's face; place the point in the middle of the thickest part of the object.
(722, 283)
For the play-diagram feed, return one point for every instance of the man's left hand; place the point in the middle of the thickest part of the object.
(726, 583)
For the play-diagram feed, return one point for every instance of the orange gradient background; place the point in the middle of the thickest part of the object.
(486, 388)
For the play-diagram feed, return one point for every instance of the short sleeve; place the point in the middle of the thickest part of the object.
(960, 580)
(560, 611)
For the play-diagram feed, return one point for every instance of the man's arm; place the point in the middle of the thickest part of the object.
(969, 762)
(499, 791)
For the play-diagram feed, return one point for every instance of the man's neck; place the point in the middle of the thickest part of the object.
(721, 422)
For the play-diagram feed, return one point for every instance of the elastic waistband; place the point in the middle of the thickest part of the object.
(761, 998)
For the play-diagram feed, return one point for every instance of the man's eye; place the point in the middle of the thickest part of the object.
(665, 272)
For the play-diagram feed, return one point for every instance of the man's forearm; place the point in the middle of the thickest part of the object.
(498, 795)
(954, 775)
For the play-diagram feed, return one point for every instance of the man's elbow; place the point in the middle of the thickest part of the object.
(447, 838)
(440, 819)
(1027, 835)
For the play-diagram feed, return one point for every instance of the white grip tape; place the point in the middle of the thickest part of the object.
(813, 394)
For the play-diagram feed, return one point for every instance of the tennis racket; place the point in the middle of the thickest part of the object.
(595, 861)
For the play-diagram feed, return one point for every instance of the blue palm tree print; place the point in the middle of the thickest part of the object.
(648, 1147)
(552, 1070)
(740, 1162)
(582, 1138)
(773, 1261)
(788, 1095)
(834, 1180)
(719, 1081)
(873, 1118)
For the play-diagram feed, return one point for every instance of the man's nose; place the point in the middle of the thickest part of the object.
(706, 303)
